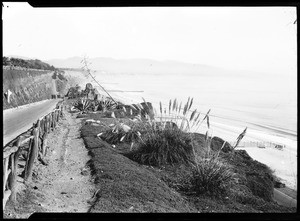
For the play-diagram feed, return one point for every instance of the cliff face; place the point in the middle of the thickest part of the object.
(30, 85)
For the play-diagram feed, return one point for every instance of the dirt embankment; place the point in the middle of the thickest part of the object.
(28, 86)
(126, 186)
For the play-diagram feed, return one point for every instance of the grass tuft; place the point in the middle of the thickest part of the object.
(212, 177)
(162, 146)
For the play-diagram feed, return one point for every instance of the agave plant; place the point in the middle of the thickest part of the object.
(82, 105)
(106, 104)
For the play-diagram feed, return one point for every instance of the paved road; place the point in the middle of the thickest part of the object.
(284, 199)
(19, 120)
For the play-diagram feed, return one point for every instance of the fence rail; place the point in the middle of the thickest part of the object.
(27, 147)
(260, 144)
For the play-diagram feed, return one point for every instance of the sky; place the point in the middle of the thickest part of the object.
(260, 39)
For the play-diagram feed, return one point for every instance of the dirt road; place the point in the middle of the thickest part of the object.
(65, 184)
(19, 120)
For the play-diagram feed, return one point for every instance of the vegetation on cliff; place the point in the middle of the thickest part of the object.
(30, 85)
(33, 64)
(208, 173)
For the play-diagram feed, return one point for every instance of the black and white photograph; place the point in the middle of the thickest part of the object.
(149, 109)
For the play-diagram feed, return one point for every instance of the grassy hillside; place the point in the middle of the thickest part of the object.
(127, 183)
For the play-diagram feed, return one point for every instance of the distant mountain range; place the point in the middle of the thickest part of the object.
(144, 66)
(136, 66)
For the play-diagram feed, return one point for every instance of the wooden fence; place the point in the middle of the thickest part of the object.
(259, 144)
(20, 154)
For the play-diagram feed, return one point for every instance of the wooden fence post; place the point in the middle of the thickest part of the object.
(44, 144)
(55, 117)
(6, 172)
(5, 168)
(14, 166)
(45, 124)
(41, 126)
(52, 121)
(33, 153)
(48, 123)
(61, 110)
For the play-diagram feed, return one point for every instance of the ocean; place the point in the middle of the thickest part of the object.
(269, 102)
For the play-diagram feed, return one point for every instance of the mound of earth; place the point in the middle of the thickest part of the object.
(126, 186)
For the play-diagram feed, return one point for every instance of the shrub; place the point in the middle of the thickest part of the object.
(161, 146)
(212, 176)
(164, 142)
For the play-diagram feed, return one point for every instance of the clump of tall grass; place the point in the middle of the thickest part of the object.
(211, 175)
(164, 142)
(161, 146)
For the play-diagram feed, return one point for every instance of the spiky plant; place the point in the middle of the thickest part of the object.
(82, 105)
